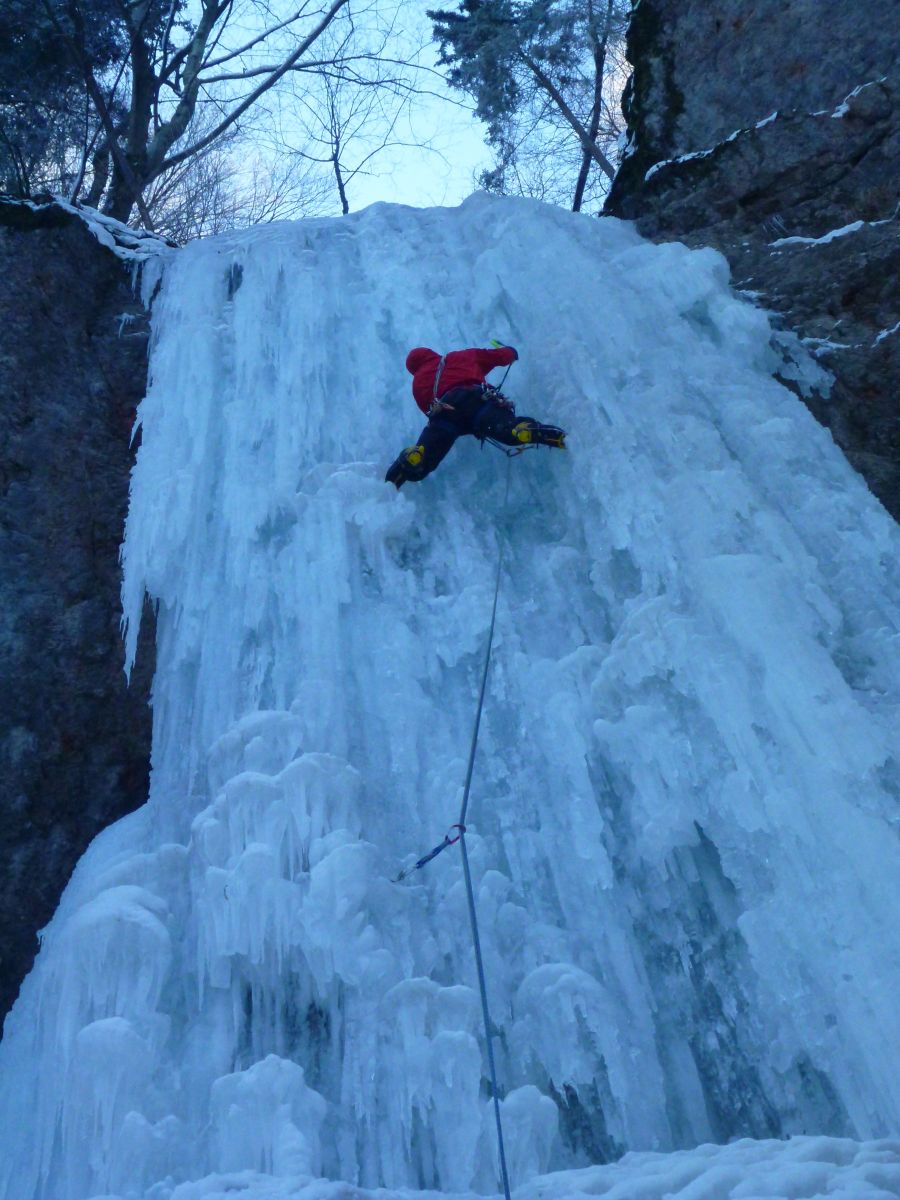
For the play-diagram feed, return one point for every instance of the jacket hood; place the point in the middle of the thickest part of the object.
(418, 358)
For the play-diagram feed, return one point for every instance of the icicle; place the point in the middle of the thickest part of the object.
(680, 825)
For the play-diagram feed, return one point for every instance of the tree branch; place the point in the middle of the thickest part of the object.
(164, 56)
(217, 62)
(241, 108)
(169, 133)
(590, 146)
(316, 63)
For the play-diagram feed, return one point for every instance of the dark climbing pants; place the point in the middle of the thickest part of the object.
(472, 412)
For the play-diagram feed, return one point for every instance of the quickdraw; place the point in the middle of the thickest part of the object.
(417, 866)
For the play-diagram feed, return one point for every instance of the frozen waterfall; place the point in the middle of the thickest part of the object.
(684, 816)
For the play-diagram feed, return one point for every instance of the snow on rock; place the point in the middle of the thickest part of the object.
(844, 108)
(732, 137)
(132, 245)
(682, 827)
(886, 333)
(831, 236)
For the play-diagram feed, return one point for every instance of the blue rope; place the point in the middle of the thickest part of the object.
(486, 1015)
(487, 663)
(470, 891)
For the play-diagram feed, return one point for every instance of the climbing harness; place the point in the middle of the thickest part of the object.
(460, 836)
(495, 396)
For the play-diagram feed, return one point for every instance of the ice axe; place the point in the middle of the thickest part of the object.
(501, 346)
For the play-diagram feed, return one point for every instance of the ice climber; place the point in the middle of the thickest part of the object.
(453, 392)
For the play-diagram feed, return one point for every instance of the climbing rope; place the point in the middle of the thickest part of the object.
(460, 837)
(487, 663)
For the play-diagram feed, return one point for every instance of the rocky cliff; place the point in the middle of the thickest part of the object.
(770, 129)
(74, 739)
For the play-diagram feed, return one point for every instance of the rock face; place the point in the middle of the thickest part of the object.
(74, 739)
(770, 129)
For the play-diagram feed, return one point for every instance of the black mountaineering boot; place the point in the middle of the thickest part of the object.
(395, 474)
(408, 465)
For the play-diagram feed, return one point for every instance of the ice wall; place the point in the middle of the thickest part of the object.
(683, 820)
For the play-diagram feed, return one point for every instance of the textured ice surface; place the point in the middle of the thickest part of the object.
(683, 827)
(803, 1168)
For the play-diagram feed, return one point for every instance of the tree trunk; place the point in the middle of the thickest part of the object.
(590, 146)
(22, 182)
(100, 169)
(339, 176)
(597, 107)
(129, 177)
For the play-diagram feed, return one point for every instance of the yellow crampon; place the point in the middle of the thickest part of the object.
(529, 433)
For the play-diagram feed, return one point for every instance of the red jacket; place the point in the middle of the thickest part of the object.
(461, 368)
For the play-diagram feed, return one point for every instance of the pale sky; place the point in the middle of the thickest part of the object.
(443, 175)
(442, 169)
(443, 148)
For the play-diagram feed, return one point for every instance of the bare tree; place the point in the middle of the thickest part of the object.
(231, 185)
(353, 109)
(538, 70)
(173, 62)
(205, 112)
(536, 154)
